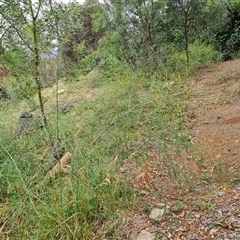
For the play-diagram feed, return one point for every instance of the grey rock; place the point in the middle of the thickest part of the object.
(193, 237)
(237, 221)
(231, 236)
(157, 214)
(145, 235)
(221, 194)
(236, 186)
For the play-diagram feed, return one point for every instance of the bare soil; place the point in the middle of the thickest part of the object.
(211, 208)
(216, 105)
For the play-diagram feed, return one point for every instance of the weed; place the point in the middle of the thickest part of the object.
(203, 205)
(201, 162)
(237, 88)
(178, 207)
(206, 177)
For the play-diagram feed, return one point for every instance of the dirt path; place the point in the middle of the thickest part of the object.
(215, 106)
(212, 209)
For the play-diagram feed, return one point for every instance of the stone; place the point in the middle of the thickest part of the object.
(193, 237)
(221, 194)
(236, 186)
(145, 235)
(157, 214)
(237, 221)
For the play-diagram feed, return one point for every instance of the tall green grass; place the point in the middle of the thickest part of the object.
(200, 55)
(131, 113)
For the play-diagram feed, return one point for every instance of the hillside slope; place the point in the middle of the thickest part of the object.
(137, 142)
(211, 209)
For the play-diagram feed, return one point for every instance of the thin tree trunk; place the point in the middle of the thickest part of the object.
(37, 73)
(186, 36)
(150, 41)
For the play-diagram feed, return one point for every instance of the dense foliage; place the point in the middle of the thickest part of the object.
(141, 33)
(228, 36)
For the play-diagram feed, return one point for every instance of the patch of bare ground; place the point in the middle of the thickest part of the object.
(211, 208)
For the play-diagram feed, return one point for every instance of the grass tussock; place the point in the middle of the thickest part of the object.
(108, 121)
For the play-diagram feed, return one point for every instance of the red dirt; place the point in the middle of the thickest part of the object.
(216, 128)
(197, 213)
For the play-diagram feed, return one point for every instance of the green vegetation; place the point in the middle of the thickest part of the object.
(129, 114)
(116, 93)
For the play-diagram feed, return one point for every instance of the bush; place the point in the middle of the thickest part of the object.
(24, 87)
(17, 61)
(203, 55)
(200, 55)
(227, 36)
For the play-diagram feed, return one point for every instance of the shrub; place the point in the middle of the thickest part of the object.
(200, 55)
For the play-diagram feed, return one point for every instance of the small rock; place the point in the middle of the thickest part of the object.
(236, 186)
(157, 214)
(145, 235)
(197, 215)
(193, 237)
(237, 221)
(221, 194)
(231, 236)
(61, 91)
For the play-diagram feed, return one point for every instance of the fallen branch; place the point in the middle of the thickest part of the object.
(61, 166)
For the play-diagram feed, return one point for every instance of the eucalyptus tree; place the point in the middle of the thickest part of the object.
(24, 18)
